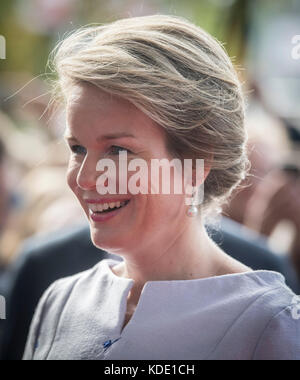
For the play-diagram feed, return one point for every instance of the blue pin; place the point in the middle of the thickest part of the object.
(109, 343)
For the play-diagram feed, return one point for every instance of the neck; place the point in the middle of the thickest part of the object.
(191, 255)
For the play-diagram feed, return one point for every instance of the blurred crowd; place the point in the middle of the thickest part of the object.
(268, 202)
(34, 197)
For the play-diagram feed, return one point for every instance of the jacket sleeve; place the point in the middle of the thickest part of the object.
(281, 338)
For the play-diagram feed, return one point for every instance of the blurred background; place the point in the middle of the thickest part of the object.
(263, 39)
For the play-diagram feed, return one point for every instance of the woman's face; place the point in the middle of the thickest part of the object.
(101, 126)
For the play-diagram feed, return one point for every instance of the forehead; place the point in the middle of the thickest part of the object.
(88, 96)
(96, 110)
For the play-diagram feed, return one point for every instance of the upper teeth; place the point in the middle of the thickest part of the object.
(105, 206)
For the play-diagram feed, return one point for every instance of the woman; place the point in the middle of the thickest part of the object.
(151, 88)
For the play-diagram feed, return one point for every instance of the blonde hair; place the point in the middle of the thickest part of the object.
(180, 77)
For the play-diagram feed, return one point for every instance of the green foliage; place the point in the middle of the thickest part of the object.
(28, 51)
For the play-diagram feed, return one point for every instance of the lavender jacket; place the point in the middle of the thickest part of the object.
(247, 316)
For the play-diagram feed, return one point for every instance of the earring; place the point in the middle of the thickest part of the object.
(192, 211)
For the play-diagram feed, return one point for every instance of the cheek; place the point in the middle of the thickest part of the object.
(164, 210)
(161, 209)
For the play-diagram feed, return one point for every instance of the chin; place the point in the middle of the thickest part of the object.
(109, 242)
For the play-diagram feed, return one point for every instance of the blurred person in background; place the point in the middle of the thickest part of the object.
(274, 208)
(268, 201)
(4, 192)
(268, 147)
(5, 209)
(7, 196)
(34, 203)
(46, 206)
(36, 173)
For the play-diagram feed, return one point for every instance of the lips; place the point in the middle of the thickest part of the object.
(106, 207)
(102, 211)
(102, 201)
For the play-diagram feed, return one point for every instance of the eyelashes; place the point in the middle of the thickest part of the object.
(78, 149)
(114, 150)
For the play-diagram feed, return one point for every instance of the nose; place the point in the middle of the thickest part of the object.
(87, 175)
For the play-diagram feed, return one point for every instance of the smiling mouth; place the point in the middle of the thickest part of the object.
(106, 208)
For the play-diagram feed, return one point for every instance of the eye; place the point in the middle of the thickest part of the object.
(78, 149)
(115, 149)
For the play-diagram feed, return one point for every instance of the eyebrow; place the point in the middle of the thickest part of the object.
(105, 137)
(115, 136)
